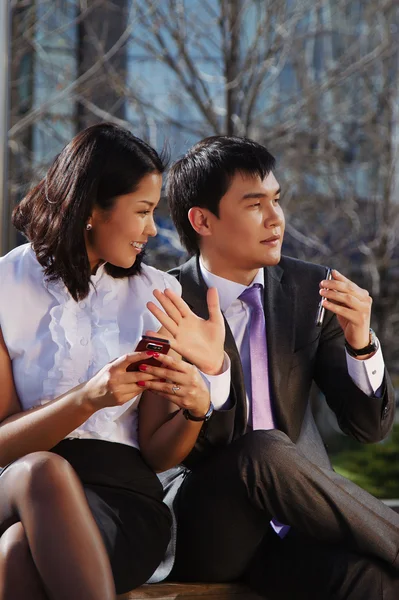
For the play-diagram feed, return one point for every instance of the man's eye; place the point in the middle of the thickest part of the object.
(144, 212)
(253, 205)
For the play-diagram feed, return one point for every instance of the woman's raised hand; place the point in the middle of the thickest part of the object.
(113, 385)
(198, 340)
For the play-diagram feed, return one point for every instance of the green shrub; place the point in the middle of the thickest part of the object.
(373, 467)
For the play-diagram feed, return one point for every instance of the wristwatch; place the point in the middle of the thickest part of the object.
(371, 347)
(206, 416)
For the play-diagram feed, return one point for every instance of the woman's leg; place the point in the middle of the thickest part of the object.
(19, 578)
(135, 530)
(125, 499)
(43, 492)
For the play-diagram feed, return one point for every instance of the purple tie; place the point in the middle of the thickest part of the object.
(262, 413)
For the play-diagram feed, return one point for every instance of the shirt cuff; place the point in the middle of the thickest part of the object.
(367, 374)
(219, 385)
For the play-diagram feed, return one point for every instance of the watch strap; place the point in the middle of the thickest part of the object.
(371, 347)
(187, 415)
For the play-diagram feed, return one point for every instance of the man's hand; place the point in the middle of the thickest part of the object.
(352, 305)
(198, 340)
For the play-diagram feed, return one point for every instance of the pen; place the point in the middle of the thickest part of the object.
(321, 310)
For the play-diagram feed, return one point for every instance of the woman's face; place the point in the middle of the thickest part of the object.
(119, 235)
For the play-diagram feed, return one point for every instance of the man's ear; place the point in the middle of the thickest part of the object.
(200, 220)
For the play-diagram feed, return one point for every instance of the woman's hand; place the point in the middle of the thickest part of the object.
(113, 385)
(351, 304)
(179, 382)
(200, 341)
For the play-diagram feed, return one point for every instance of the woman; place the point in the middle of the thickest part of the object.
(81, 514)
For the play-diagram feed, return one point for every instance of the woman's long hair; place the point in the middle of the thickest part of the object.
(100, 163)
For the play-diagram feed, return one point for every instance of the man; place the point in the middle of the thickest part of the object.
(261, 500)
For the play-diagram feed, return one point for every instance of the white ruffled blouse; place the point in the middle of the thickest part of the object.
(56, 343)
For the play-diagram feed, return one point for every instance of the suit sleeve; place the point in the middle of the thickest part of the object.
(214, 435)
(224, 425)
(366, 418)
(219, 431)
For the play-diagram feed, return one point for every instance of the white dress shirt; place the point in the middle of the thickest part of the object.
(366, 374)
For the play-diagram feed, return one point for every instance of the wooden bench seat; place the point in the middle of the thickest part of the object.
(191, 591)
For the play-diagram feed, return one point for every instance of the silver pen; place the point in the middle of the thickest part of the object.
(321, 310)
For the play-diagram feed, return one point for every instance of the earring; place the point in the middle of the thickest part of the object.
(89, 226)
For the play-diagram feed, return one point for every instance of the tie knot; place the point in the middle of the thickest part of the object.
(253, 296)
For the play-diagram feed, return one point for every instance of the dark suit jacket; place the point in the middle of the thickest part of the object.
(298, 354)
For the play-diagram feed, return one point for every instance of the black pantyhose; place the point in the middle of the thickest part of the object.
(49, 539)
(18, 575)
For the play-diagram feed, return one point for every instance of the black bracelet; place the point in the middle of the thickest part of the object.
(372, 346)
(206, 417)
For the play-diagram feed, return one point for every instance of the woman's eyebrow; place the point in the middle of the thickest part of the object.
(147, 202)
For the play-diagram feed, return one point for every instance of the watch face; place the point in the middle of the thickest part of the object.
(373, 346)
(209, 412)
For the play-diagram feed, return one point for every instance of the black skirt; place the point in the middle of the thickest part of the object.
(125, 497)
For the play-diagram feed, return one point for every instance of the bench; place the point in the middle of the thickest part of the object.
(191, 591)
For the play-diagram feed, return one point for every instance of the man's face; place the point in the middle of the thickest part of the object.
(249, 231)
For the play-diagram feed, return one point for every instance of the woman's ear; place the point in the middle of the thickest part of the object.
(200, 221)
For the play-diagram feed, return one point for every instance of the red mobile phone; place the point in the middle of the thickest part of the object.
(151, 344)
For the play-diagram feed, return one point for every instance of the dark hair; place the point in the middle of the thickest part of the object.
(204, 174)
(100, 163)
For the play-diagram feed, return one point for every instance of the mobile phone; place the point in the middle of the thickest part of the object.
(321, 310)
(151, 344)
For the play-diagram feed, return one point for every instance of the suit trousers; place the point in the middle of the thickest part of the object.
(339, 531)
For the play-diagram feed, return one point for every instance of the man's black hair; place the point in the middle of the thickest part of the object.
(203, 176)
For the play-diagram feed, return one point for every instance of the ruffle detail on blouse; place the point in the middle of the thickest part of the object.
(105, 328)
(73, 361)
(105, 348)
(63, 328)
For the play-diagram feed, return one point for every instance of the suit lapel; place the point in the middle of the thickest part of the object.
(279, 306)
(193, 287)
(194, 292)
